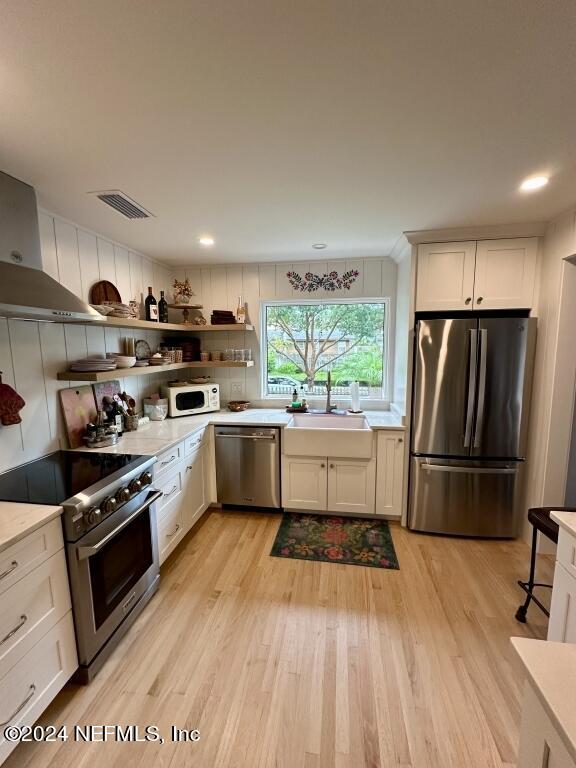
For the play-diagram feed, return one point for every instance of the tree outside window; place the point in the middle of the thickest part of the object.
(305, 341)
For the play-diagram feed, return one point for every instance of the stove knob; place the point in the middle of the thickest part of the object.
(135, 486)
(122, 495)
(109, 505)
(91, 515)
(146, 478)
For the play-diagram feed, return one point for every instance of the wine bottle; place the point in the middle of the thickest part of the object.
(162, 309)
(151, 307)
(241, 311)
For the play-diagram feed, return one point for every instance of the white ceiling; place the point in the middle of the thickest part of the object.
(273, 125)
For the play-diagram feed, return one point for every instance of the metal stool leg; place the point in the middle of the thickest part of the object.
(529, 585)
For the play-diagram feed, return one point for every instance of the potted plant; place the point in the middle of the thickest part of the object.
(182, 291)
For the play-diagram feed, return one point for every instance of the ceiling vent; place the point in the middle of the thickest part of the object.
(123, 204)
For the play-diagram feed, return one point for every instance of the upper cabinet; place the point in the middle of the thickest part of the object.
(445, 278)
(487, 274)
(505, 273)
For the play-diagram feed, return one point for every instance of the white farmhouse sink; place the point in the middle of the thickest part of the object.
(312, 434)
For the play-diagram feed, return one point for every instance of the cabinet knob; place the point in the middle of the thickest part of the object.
(468, 300)
(400, 440)
(331, 466)
(322, 466)
(479, 300)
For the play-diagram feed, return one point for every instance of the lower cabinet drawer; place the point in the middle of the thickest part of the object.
(27, 554)
(34, 681)
(171, 487)
(168, 459)
(170, 530)
(195, 441)
(31, 607)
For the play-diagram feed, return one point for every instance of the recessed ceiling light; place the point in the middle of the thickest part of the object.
(206, 241)
(319, 246)
(533, 182)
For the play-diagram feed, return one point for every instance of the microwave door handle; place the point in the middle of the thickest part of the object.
(481, 388)
(83, 553)
(471, 387)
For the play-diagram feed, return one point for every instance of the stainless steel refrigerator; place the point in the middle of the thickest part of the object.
(470, 401)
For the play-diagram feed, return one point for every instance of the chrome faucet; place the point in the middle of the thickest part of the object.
(329, 406)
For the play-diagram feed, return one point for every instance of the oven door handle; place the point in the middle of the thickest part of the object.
(83, 553)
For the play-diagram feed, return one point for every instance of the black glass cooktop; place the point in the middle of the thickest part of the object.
(59, 476)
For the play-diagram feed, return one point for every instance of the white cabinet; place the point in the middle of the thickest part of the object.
(487, 274)
(304, 483)
(327, 484)
(186, 477)
(562, 624)
(351, 484)
(37, 642)
(171, 529)
(445, 277)
(194, 484)
(390, 461)
(541, 746)
(210, 495)
(505, 273)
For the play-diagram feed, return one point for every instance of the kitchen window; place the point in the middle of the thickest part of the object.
(304, 340)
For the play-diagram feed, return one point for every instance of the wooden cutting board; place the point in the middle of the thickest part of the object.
(78, 408)
(103, 389)
(103, 291)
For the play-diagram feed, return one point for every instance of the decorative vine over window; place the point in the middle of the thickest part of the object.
(306, 340)
(330, 281)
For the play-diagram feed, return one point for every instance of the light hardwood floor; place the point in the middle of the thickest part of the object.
(300, 664)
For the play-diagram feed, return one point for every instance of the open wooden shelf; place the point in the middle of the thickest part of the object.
(121, 373)
(120, 322)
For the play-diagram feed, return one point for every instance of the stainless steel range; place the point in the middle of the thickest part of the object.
(111, 539)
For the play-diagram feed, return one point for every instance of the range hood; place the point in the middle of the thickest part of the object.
(25, 290)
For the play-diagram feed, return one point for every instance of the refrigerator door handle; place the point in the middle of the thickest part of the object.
(481, 388)
(471, 387)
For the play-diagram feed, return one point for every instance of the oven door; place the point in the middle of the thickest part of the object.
(111, 568)
(188, 400)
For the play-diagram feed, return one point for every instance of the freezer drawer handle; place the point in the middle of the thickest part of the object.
(469, 470)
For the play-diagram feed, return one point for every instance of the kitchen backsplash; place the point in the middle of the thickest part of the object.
(31, 353)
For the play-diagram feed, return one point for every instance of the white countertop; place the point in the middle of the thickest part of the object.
(18, 520)
(160, 435)
(566, 520)
(551, 668)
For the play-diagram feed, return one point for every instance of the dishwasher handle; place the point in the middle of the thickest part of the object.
(247, 437)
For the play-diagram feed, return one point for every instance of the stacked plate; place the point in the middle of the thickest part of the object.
(92, 365)
(159, 360)
(117, 309)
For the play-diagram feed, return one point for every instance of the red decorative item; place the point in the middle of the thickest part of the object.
(10, 404)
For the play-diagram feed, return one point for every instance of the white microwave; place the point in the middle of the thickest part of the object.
(189, 399)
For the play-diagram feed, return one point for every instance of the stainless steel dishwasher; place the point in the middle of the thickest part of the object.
(248, 466)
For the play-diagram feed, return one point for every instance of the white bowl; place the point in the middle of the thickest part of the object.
(124, 361)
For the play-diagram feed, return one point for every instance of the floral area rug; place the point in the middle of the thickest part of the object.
(350, 540)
